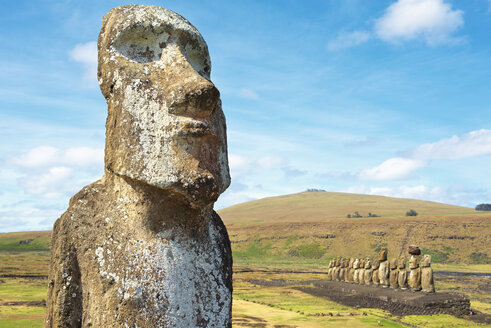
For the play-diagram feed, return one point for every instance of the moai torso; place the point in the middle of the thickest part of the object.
(427, 283)
(368, 272)
(375, 279)
(383, 269)
(414, 278)
(142, 247)
(402, 275)
(394, 274)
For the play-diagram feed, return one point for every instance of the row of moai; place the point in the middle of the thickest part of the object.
(384, 273)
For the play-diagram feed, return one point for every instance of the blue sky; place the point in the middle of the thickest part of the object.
(378, 97)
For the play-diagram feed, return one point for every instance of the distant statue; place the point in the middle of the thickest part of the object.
(402, 275)
(356, 267)
(143, 247)
(361, 272)
(383, 269)
(329, 270)
(427, 275)
(414, 278)
(368, 272)
(351, 271)
(375, 268)
(394, 274)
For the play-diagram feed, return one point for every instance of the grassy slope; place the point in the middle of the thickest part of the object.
(323, 205)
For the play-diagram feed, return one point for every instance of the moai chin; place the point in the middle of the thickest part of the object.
(402, 275)
(383, 270)
(427, 283)
(375, 278)
(143, 247)
(394, 274)
(414, 278)
(368, 272)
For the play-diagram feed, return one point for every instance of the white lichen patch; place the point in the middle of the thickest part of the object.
(178, 281)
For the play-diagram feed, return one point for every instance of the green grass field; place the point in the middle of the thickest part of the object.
(299, 233)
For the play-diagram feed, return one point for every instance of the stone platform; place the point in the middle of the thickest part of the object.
(396, 301)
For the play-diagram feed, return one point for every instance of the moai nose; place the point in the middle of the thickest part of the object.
(196, 97)
(192, 94)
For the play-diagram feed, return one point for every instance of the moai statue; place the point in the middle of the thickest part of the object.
(368, 272)
(143, 247)
(341, 269)
(375, 278)
(356, 267)
(402, 275)
(394, 274)
(383, 269)
(335, 270)
(414, 277)
(347, 268)
(361, 272)
(427, 275)
(329, 270)
(351, 271)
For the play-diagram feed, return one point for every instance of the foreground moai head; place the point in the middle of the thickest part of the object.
(368, 264)
(165, 124)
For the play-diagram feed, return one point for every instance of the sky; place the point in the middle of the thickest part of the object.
(388, 97)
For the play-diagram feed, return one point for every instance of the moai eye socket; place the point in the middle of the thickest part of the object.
(145, 44)
(140, 44)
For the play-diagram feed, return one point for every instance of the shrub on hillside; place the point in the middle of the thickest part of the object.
(479, 258)
(411, 213)
(483, 207)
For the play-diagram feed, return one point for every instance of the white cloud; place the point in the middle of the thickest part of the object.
(44, 156)
(240, 165)
(52, 184)
(432, 20)
(86, 53)
(348, 40)
(248, 94)
(474, 143)
(391, 169)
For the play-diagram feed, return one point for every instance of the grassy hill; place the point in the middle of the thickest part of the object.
(320, 205)
(309, 228)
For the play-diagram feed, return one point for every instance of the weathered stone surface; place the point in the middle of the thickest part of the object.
(375, 278)
(427, 283)
(383, 270)
(402, 278)
(356, 267)
(394, 274)
(414, 278)
(142, 247)
(368, 272)
(361, 272)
